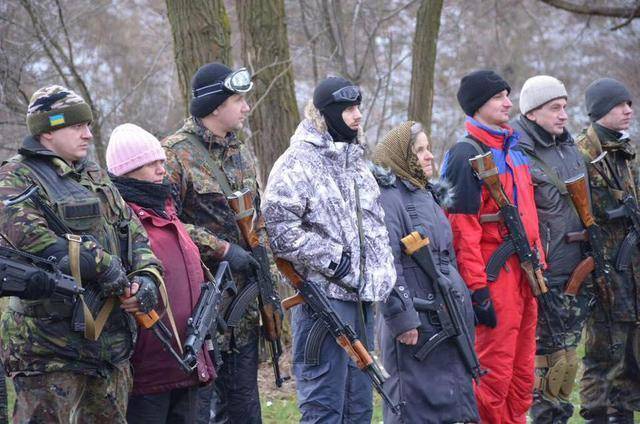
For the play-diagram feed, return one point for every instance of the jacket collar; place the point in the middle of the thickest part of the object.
(505, 138)
(538, 135)
(308, 134)
(32, 148)
(194, 125)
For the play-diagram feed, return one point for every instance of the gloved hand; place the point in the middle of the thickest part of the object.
(239, 259)
(147, 294)
(483, 307)
(113, 280)
(343, 267)
(37, 285)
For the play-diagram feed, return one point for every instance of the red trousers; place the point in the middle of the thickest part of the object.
(505, 394)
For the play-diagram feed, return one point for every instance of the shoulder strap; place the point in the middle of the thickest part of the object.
(552, 174)
(218, 174)
(477, 144)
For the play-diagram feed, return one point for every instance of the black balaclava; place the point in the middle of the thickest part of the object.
(332, 110)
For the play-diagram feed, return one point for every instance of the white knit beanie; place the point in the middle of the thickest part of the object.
(539, 90)
(131, 147)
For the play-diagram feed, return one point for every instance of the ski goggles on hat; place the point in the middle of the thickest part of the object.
(238, 82)
(348, 94)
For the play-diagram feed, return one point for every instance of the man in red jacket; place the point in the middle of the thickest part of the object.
(505, 309)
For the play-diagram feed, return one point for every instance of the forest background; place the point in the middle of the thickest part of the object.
(132, 60)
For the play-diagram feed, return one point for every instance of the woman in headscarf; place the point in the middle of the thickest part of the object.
(436, 388)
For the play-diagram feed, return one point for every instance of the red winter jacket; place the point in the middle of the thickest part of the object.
(154, 369)
(474, 243)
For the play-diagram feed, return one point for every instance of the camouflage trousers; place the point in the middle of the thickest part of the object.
(567, 316)
(611, 381)
(65, 397)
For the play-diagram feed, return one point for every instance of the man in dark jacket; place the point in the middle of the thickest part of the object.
(506, 309)
(554, 158)
(610, 386)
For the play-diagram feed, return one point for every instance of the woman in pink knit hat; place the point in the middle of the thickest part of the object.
(162, 391)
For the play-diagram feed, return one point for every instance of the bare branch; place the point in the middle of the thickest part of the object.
(597, 10)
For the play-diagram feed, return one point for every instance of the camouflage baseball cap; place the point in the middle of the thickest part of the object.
(54, 107)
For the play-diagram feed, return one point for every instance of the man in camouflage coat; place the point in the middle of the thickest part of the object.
(62, 374)
(320, 201)
(205, 160)
(610, 386)
(554, 158)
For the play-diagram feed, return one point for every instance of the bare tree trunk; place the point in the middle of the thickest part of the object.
(425, 43)
(201, 34)
(266, 51)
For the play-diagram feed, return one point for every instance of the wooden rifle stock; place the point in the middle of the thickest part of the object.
(577, 188)
(241, 202)
(579, 274)
(576, 236)
(485, 168)
(355, 350)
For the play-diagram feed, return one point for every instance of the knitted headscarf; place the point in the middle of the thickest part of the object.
(394, 152)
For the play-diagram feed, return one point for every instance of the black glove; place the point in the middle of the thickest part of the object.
(147, 294)
(483, 307)
(113, 280)
(37, 285)
(343, 267)
(239, 259)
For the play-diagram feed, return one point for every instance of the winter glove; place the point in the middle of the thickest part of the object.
(147, 294)
(113, 280)
(483, 307)
(239, 259)
(37, 285)
(343, 267)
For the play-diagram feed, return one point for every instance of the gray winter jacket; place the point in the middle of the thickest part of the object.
(309, 207)
(438, 389)
(556, 215)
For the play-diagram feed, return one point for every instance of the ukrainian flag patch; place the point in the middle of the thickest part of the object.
(55, 120)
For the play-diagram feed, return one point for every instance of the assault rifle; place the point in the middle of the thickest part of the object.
(344, 335)
(596, 262)
(243, 205)
(628, 209)
(515, 241)
(202, 325)
(31, 277)
(445, 306)
(91, 296)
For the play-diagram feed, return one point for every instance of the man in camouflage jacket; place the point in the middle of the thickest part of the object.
(62, 374)
(320, 201)
(205, 160)
(610, 386)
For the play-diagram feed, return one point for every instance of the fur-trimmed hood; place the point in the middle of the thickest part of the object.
(441, 189)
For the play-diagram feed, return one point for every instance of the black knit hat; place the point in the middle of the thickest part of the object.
(323, 94)
(604, 94)
(207, 75)
(478, 87)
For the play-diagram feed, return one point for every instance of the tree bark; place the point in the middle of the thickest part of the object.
(425, 43)
(201, 34)
(265, 47)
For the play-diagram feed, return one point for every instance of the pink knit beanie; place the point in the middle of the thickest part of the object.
(131, 147)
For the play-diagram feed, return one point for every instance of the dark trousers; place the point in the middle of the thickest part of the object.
(173, 407)
(333, 390)
(233, 398)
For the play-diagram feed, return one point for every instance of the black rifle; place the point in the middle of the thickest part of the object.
(628, 209)
(445, 306)
(515, 242)
(31, 277)
(248, 219)
(343, 334)
(205, 320)
(92, 296)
